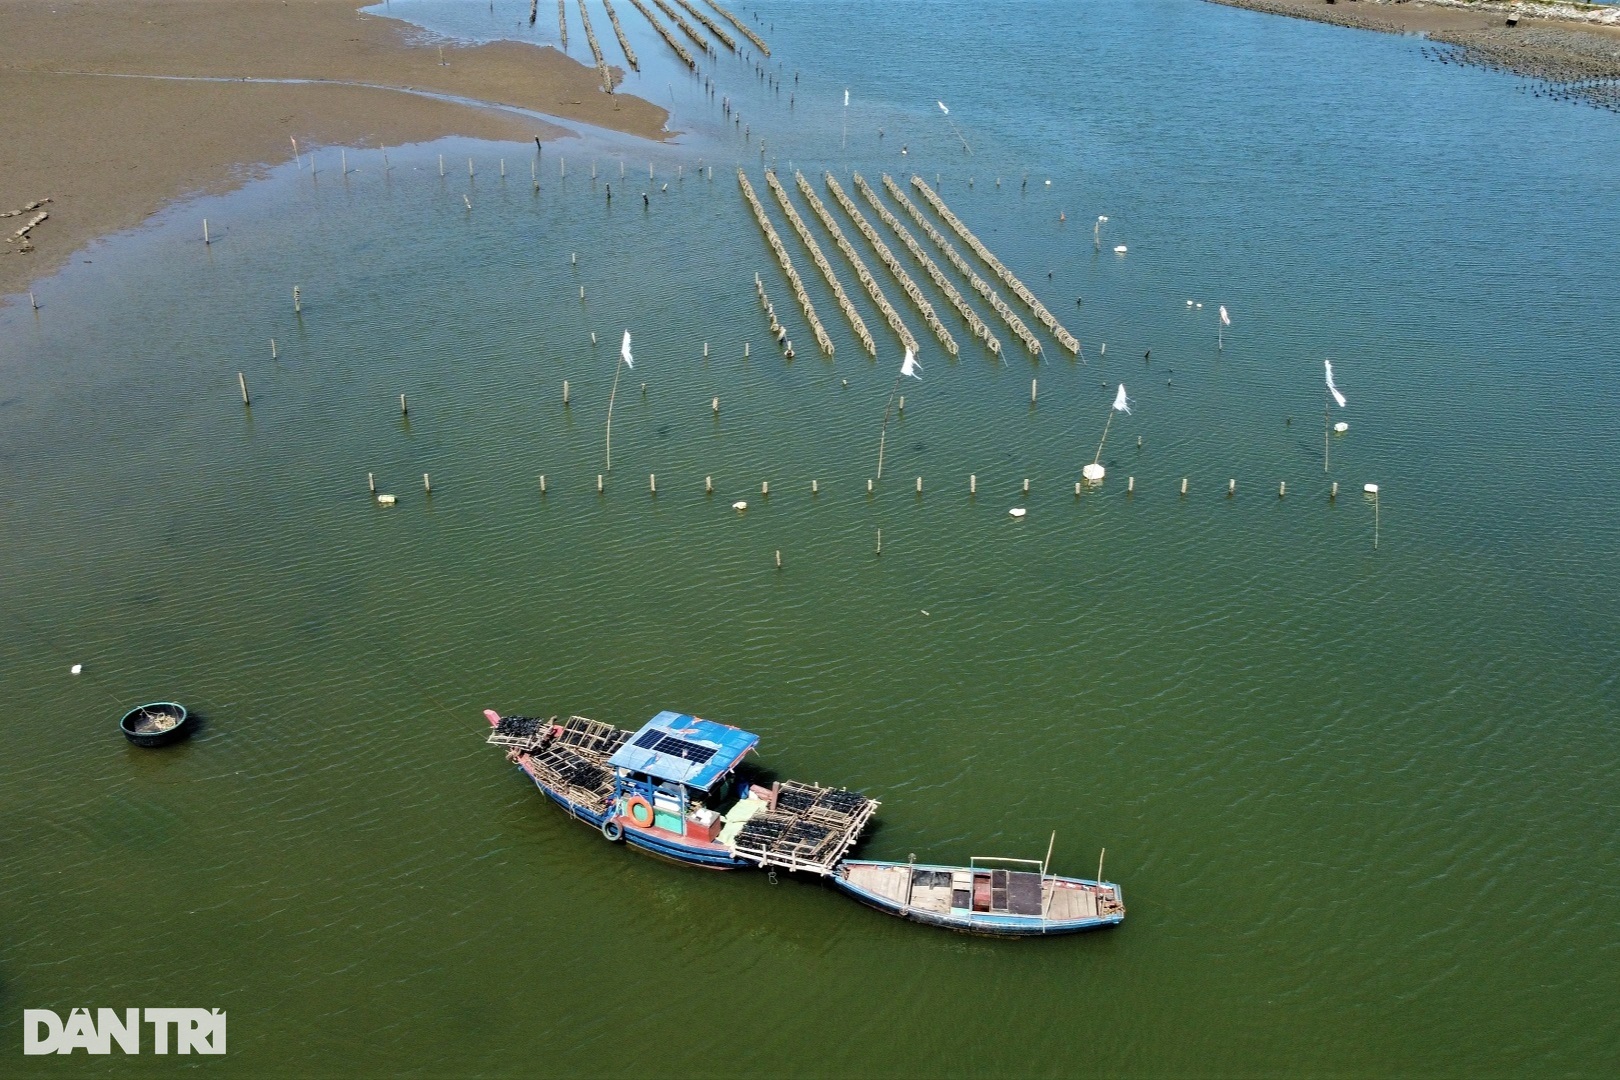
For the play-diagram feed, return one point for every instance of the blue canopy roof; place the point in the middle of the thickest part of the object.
(676, 746)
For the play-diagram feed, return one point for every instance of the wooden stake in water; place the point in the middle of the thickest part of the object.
(427, 485)
(1100, 864)
(542, 483)
(298, 303)
(403, 410)
(242, 381)
(272, 348)
(441, 164)
(206, 241)
(708, 485)
(371, 482)
(1034, 390)
(1327, 428)
(565, 391)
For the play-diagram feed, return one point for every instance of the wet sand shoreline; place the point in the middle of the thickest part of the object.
(109, 152)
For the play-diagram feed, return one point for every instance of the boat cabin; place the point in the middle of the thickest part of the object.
(678, 772)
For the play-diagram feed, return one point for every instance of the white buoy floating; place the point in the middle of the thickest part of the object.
(1018, 511)
(386, 500)
(1119, 249)
(1093, 473)
(1371, 489)
(75, 669)
(739, 506)
(1341, 427)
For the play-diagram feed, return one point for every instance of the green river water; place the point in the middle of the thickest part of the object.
(1360, 800)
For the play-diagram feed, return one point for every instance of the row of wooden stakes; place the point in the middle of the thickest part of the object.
(862, 274)
(885, 256)
(1080, 487)
(855, 321)
(663, 32)
(782, 257)
(596, 49)
(963, 267)
(1066, 339)
(778, 332)
(943, 283)
(624, 42)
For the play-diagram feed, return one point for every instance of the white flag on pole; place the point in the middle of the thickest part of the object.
(1121, 402)
(943, 109)
(624, 351)
(909, 366)
(1226, 320)
(1334, 390)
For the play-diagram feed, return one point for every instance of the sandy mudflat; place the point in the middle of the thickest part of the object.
(111, 151)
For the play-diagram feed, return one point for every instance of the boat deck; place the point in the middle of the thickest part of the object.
(810, 828)
(962, 892)
(801, 826)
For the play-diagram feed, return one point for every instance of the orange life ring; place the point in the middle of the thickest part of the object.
(634, 806)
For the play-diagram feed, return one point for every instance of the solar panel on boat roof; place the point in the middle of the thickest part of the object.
(660, 743)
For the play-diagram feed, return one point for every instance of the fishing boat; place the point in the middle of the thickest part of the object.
(676, 788)
(157, 723)
(1002, 900)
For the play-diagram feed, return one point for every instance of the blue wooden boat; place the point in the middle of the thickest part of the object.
(675, 789)
(1017, 898)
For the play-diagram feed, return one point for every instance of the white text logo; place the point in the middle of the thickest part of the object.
(195, 1031)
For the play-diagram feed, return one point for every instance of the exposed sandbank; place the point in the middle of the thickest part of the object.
(111, 151)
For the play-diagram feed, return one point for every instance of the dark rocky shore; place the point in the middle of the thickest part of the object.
(1577, 61)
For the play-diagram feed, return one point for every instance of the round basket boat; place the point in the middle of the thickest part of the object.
(157, 724)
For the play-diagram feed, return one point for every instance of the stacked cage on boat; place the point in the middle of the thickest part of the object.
(521, 733)
(573, 762)
(809, 828)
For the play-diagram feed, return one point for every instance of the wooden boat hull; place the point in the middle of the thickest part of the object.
(644, 841)
(983, 924)
(129, 724)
